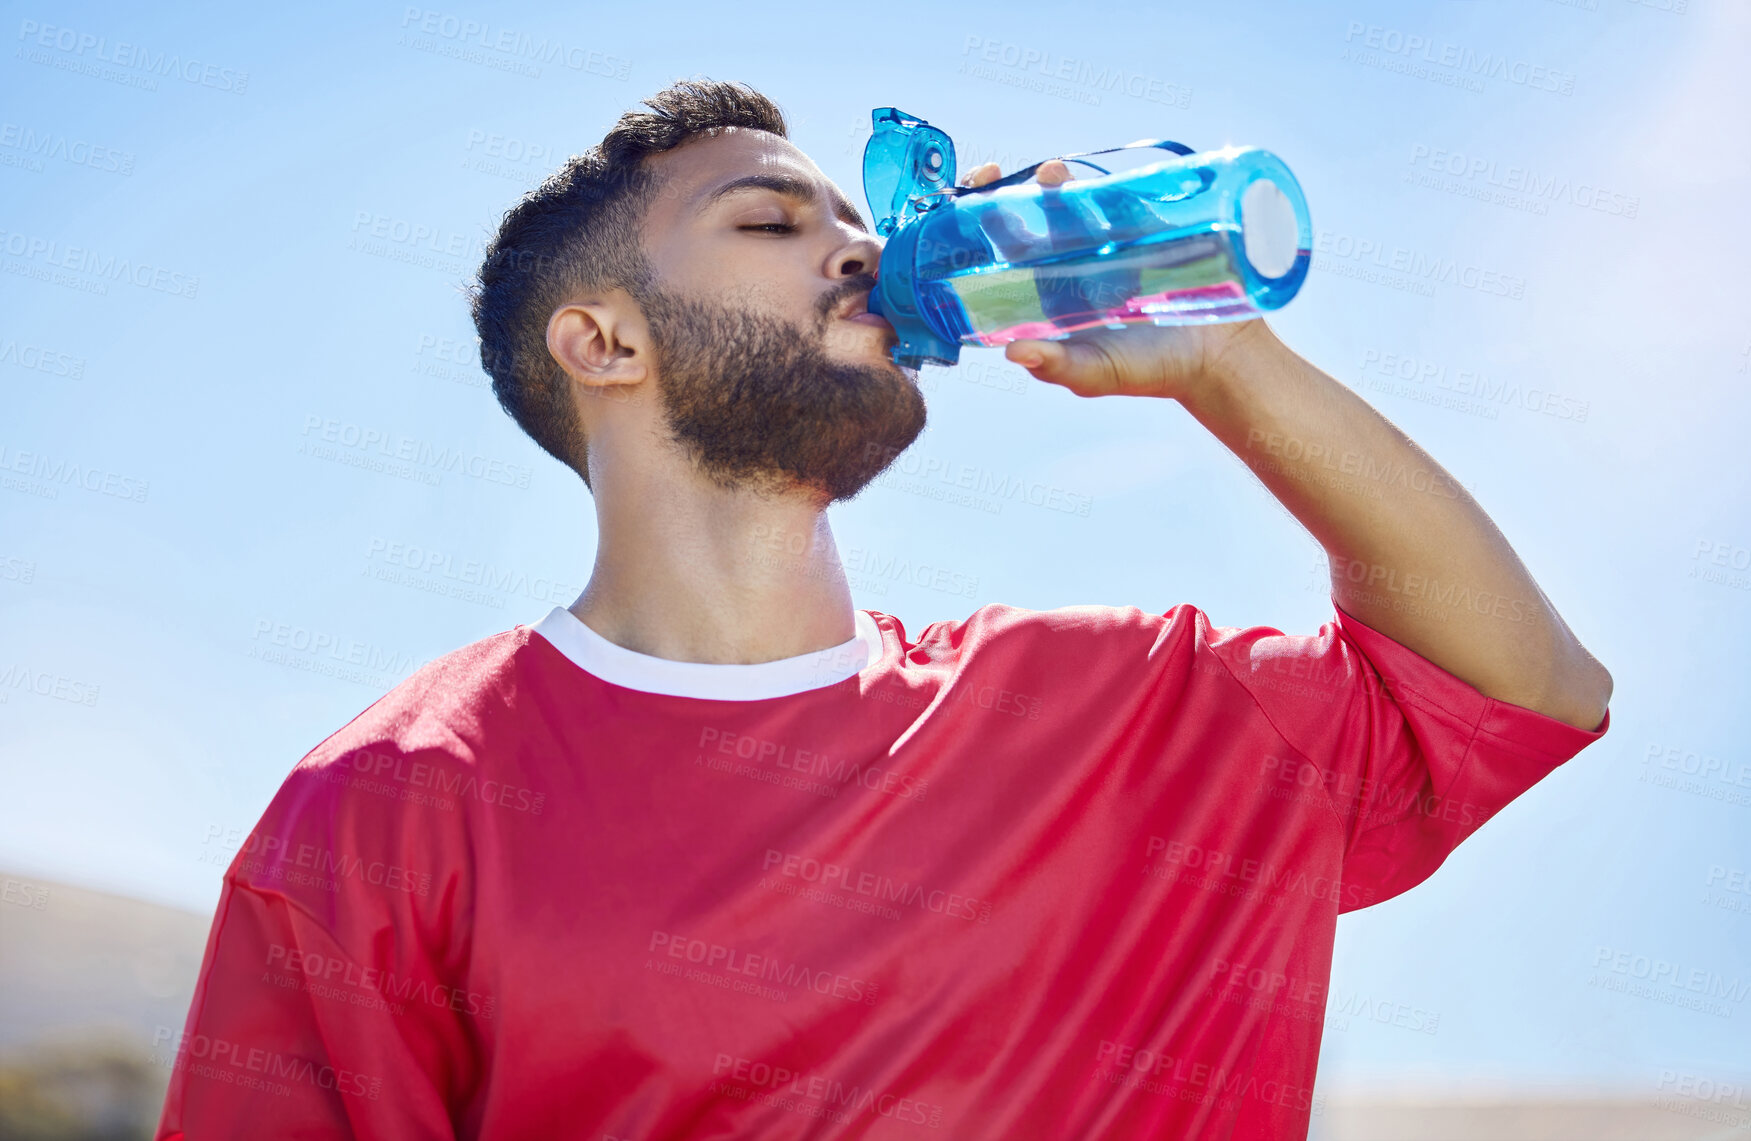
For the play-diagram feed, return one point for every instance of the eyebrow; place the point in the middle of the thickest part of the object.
(789, 185)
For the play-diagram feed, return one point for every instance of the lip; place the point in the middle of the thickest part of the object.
(867, 318)
(854, 307)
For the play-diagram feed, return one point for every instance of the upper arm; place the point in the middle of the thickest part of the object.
(1413, 759)
(321, 1004)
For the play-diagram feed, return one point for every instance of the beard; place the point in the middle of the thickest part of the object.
(760, 405)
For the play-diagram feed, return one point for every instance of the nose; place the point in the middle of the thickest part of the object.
(860, 255)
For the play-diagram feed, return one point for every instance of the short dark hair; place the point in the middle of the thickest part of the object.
(577, 231)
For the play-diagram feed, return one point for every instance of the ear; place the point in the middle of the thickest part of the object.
(601, 343)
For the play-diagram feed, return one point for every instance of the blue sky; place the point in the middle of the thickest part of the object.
(233, 245)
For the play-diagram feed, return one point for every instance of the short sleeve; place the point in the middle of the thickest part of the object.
(323, 1006)
(1413, 759)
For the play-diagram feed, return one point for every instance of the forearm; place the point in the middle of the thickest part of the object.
(1412, 554)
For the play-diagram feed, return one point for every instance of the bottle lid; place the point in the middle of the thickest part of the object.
(906, 162)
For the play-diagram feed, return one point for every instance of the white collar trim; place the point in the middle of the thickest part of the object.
(601, 658)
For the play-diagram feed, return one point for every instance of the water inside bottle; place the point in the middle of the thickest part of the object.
(1092, 254)
(1172, 279)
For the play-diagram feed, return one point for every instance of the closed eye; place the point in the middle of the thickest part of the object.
(772, 227)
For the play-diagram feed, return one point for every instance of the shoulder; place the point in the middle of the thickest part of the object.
(383, 808)
(1065, 628)
(450, 704)
(440, 733)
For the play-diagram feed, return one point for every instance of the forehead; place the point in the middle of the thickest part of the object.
(693, 175)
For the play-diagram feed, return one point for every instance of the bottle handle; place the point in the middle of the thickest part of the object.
(1026, 172)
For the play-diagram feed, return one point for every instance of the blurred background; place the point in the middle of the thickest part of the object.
(234, 245)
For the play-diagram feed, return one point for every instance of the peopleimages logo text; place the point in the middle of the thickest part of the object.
(1458, 57)
(513, 44)
(105, 267)
(90, 48)
(380, 443)
(1052, 65)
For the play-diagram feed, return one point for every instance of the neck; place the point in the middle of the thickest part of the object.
(691, 572)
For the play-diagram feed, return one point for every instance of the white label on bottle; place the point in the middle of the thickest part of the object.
(1267, 227)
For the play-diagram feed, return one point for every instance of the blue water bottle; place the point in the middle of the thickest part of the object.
(1195, 238)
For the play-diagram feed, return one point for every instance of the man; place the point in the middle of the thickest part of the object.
(710, 853)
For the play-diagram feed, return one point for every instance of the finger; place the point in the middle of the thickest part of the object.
(1081, 367)
(1038, 357)
(981, 174)
(1053, 173)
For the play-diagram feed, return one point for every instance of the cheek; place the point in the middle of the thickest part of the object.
(750, 292)
(769, 279)
(769, 283)
(772, 278)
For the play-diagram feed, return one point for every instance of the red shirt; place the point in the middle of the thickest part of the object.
(1061, 874)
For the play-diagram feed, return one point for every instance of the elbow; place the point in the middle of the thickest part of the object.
(1575, 689)
(1581, 696)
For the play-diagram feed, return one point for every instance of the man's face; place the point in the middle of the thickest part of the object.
(768, 368)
